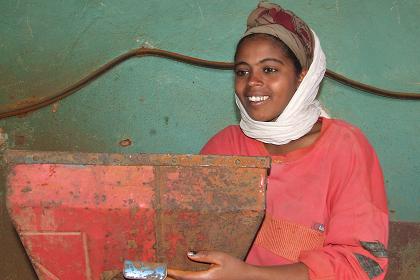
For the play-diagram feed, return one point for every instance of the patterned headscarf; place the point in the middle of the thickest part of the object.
(274, 20)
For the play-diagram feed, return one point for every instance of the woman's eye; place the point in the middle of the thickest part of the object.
(241, 72)
(269, 70)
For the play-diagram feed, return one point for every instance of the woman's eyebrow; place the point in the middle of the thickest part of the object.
(272, 59)
(261, 61)
(240, 63)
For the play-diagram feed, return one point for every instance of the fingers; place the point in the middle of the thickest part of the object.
(210, 257)
(215, 259)
(186, 275)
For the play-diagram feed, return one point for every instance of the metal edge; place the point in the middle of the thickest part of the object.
(12, 157)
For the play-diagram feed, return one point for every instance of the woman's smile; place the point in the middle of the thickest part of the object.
(257, 100)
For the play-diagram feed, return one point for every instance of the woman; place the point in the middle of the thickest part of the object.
(326, 214)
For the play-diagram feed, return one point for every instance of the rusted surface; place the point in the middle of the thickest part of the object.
(404, 251)
(34, 157)
(205, 218)
(80, 215)
(19, 103)
(125, 142)
(112, 275)
(19, 140)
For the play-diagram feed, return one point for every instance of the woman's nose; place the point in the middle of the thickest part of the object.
(254, 80)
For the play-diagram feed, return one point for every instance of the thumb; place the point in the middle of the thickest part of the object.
(210, 257)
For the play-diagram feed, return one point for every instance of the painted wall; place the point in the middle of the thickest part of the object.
(166, 106)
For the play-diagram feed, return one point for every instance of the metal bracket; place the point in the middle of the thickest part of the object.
(144, 270)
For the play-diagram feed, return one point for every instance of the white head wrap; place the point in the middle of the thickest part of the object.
(300, 114)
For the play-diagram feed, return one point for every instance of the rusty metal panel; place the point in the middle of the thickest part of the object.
(80, 215)
(404, 251)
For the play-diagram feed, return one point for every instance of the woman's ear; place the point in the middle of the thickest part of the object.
(302, 75)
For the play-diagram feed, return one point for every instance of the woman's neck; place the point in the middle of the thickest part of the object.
(303, 142)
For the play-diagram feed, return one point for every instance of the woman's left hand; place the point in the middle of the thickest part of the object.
(222, 267)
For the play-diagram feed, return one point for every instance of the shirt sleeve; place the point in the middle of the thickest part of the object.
(357, 230)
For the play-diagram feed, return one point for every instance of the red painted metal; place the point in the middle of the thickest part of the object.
(80, 215)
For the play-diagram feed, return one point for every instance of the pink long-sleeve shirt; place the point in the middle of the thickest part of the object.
(326, 203)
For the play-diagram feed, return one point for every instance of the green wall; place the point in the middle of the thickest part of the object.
(166, 106)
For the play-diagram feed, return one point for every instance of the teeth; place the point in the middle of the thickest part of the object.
(257, 98)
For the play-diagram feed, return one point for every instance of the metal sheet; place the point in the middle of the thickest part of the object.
(80, 215)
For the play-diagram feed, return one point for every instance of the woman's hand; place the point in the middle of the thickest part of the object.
(222, 267)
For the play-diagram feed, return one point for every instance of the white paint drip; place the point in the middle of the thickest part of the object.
(28, 24)
(395, 5)
(356, 40)
(337, 6)
(201, 12)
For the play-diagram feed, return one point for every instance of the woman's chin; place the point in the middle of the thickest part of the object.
(262, 118)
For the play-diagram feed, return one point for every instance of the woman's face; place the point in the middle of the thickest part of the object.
(265, 78)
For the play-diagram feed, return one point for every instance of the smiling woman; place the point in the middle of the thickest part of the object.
(267, 76)
(326, 215)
